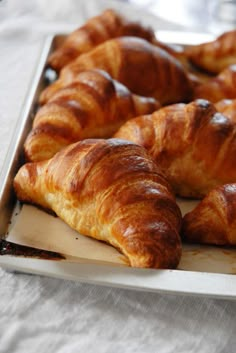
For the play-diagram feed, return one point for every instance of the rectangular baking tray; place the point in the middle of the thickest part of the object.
(165, 281)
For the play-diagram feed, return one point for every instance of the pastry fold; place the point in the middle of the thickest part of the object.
(144, 68)
(227, 107)
(93, 106)
(96, 30)
(110, 190)
(219, 87)
(213, 221)
(215, 55)
(193, 143)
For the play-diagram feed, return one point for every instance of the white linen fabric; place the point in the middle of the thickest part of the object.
(40, 314)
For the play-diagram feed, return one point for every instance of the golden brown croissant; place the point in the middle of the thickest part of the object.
(112, 191)
(193, 144)
(213, 221)
(175, 50)
(227, 107)
(93, 106)
(144, 68)
(216, 55)
(219, 87)
(109, 24)
(178, 51)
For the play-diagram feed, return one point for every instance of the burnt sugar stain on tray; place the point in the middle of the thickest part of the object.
(8, 248)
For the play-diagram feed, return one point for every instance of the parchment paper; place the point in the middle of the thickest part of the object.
(40, 230)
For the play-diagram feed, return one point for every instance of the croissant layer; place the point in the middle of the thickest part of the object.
(142, 67)
(93, 106)
(228, 108)
(193, 143)
(216, 55)
(110, 190)
(109, 24)
(213, 221)
(217, 88)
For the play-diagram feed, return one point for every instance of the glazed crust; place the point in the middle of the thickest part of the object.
(193, 144)
(109, 24)
(142, 67)
(213, 221)
(93, 106)
(228, 108)
(217, 88)
(110, 190)
(216, 55)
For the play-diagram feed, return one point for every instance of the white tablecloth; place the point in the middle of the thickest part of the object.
(39, 314)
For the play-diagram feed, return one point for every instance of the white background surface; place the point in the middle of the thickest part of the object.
(47, 315)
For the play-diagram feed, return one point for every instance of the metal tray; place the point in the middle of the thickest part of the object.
(169, 281)
(14, 157)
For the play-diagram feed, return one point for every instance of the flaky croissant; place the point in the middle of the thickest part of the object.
(193, 144)
(109, 24)
(213, 221)
(110, 190)
(93, 106)
(216, 55)
(142, 67)
(220, 87)
(227, 107)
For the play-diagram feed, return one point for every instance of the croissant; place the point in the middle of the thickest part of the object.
(93, 106)
(193, 144)
(219, 87)
(112, 191)
(213, 221)
(109, 24)
(144, 68)
(177, 51)
(216, 55)
(227, 107)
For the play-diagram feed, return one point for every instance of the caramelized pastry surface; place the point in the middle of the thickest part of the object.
(109, 24)
(228, 108)
(213, 221)
(93, 106)
(142, 67)
(216, 55)
(193, 144)
(220, 87)
(110, 190)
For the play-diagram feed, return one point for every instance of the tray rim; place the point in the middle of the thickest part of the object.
(12, 159)
(165, 281)
(204, 284)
